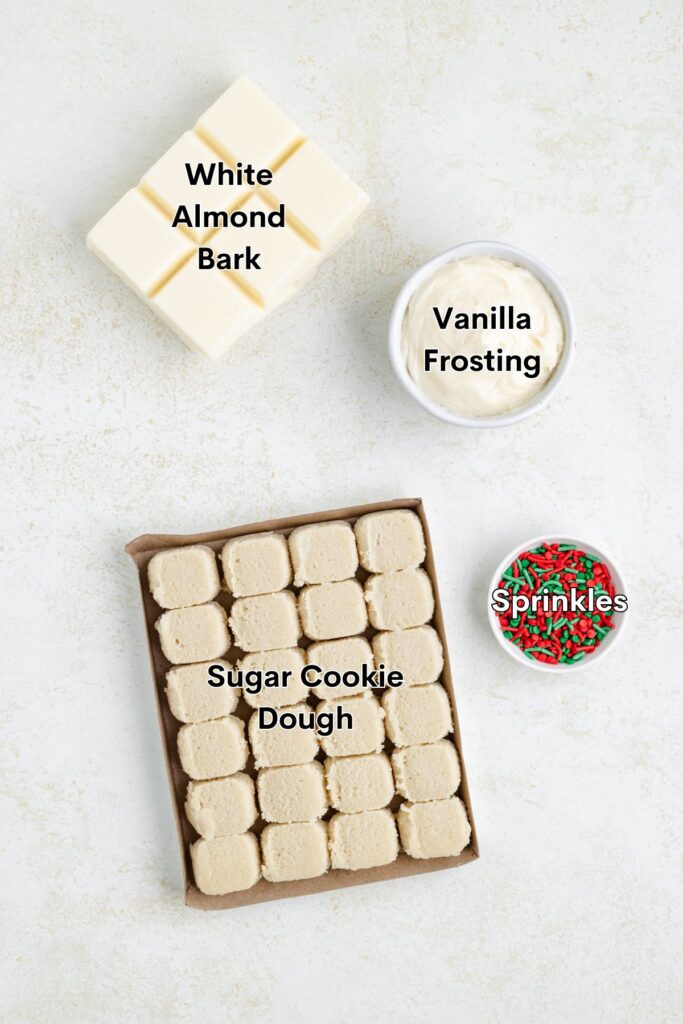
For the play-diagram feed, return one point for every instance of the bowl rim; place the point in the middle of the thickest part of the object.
(503, 251)
(605, 646)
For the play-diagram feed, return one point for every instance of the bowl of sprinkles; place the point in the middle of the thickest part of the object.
(556, 604)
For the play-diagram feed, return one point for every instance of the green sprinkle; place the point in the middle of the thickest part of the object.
(565, 547)
(576, 638)
(559, 624)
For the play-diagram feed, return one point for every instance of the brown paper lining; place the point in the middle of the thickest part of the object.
(141, 550)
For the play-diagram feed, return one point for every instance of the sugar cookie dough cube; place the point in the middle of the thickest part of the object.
(192, 699)
(137, 242)
(181, 577)
(193, 634)
(295, 851)
(209, 750)
(399, 600)
(265, 623)
(436, 829)
(321, 200)
(206, 309)
(221, 807)
(258, 564)
(427, 772)
(279, 746)
(416, 653)
(227, 864)
(333, 610)
(285, 259)
(364, 840)
(417, 714)
(359, 783)
(367, 734)
(347, 655)
(389, 541)
(169, 183)
(323, 553)
(295, 793)
(244, 125)
(292, 660)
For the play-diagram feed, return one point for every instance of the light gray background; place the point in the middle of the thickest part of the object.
(557, 130)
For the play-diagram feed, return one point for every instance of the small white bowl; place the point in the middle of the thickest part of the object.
(543, 666)
(505, 252)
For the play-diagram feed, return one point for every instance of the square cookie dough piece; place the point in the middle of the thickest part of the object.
(181, 577)
(295, 793)
(417, 714)
(279, 746)
(347, 655)
(323, 553)
(364, 840)
(367, 734)
(192, 634)
(295, 851)
(206, 309)
(389, 541)
(291, 659)
(399, 600)
(170, 185)
(265, 623)
(221, 807)
(333, 610)
(227, 864)
(210, 750)
(192, 699)
(359, 783)
(416, 653)
(436, 829)
(427, 772)
(321, 200)
(244, 125)
(258, 564)
(137, 242)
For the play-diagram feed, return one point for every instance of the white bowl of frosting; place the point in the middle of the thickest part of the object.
(482, 335)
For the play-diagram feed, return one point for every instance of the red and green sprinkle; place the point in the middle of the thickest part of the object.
(556, 637)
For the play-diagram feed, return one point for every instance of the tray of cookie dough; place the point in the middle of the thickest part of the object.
(306, 703)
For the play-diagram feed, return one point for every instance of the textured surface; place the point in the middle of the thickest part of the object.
(556, 131)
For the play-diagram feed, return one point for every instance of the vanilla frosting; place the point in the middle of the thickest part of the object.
(522, 330)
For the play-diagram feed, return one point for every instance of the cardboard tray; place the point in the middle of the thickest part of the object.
(141, 550)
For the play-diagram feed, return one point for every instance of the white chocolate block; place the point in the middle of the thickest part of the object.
(273, 748)
(181, 577)
(323, 553)
(137, 242)
(436, 829)
(285, 258)
(227, 864)
(221, 807)
(265, 623)
(416, 653)
(333, 610)
(359, 783)
(192, 699)
(391, 540)
(292, 659)
(210, 750)
(399, 600)
(295, 793)
(206, 309)
(321, 200)
(427, 772)
(257, 564)
(347, 655)
(417, 714)
(168, 181)
(367, 734)
(193, 634)
(295, 851)
(246, 126)
(364, 840)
